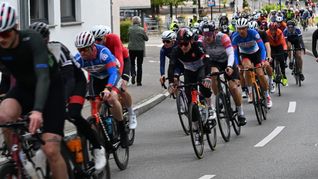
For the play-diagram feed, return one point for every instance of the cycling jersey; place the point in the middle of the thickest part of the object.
(282, 26)
(31, 65)
(103, 66)
(294, 37)
(220, 50)
(277, 40)
(314, 43)
(165, 52)
(248, 45)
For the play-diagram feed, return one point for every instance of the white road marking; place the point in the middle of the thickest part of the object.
(207, 176)
(152, 61)
(271, 136)
(292, 107)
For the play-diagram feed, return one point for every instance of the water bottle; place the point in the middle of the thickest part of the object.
(203, 114)
(40, 161)
(30, 170)
(108, 125)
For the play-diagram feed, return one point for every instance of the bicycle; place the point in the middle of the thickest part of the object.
(277, 70)
(224, 109)
(295, 68)
(198, 112)
(259, 98)
(182, 107)
(21, 152)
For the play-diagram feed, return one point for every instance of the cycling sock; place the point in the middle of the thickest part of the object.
(240, 110)
(249, 89)
(130, 111)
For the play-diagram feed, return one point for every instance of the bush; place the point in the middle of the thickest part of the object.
(124, 26)
(270, 7)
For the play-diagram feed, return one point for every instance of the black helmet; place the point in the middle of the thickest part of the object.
(291, 23)
(184, 34)
(41, 27)
(208, 27)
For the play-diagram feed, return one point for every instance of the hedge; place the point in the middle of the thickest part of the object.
(124, 26)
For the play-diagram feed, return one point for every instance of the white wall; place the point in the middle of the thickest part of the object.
(90, 14)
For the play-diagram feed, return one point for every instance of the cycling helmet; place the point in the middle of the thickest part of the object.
(253, 25)
(291, 23)
(273, 26)
(184, 34)
(241, 22)
(41, 27)
(196, 25)
(99, 31)
(84, 39)
(168, 35)
(225, 29)
(279, 19)
(208, 27)
(7, 17)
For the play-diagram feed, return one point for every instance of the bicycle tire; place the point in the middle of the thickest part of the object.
(278, 77)
(257, 104)
(131, 132)
(211, 135)
(223, 117)
(121, 155)
(263, 105)
(183, 116)
(194, 113)
(233, 115)
(8, 169)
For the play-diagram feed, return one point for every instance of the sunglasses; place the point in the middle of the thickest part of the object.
(5, 34)
(184, 43)
(166, 41)
(85, 49)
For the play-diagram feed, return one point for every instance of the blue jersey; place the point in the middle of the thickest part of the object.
(164, 52)
(294, 34)
(105, 65)
(248, 45)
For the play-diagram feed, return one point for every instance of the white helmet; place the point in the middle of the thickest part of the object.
(168, 35)
(8, 18)
(100, 31)
(279, 19)
(242, 22)
(84, 39)
(253, 25)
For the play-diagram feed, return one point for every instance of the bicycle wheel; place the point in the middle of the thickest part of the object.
(8, 170)
(233, 114)
(121, 155)
(131, 132)
(263, 105)
(278, 77)
(182, 108)
(194, 115)
(211, 135)
(257, 103)
(222, 114)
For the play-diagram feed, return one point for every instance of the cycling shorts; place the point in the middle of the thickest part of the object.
(255, 58)
(222, 66)
(96, 85)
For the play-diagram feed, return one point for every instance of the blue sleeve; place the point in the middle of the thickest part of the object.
(162, 61)
(260, 44)
(111, 66)
(285, 32)
(78, 60)
(298, 32)
(235, 47)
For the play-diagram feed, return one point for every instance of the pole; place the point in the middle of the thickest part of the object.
(219, 5)
(24, 15)
(211, 13)
(198, 9)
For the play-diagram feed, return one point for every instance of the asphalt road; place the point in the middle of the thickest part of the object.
(161, 150)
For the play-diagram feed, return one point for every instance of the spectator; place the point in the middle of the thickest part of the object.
(136, 46)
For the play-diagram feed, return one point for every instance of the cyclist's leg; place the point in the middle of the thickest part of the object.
(214, 69)
(289, 54)
(248, 64)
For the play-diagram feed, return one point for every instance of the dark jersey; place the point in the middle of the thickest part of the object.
(314, 43)
(263, 35)
(31, 65)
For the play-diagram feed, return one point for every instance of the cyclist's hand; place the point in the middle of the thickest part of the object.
(36, 121)
(171, 88)
(106, 94)
(162, 79)
(269, 59)
(207, 82)
(124, 85)
(229, 71)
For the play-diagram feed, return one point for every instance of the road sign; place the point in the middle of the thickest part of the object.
(211, 3)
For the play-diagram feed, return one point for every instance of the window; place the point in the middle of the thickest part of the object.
(39, 11)
(68, 10)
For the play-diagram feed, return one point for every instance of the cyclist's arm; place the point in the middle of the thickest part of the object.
(226, 41)
(261, 46)
(41, 61)
(111, 67)
(235, 47)
(162, 61)
(314, 43)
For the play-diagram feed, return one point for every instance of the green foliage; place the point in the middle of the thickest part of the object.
(124, 26)
(167, 2)
(270, 7)
(245, 4)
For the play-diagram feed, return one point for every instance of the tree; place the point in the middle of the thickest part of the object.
(245, 4)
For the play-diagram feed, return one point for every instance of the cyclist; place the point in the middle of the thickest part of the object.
(38, 89)
(268, 68)
(224, 20)
(74, 89)
(190, 56)
(218, 46)
(294, 38)
(103, 36)
(290, 14)
(252, 50)
(169, 42)
(104, 77)
(314, 43)
(280, 23)
(278, 44)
